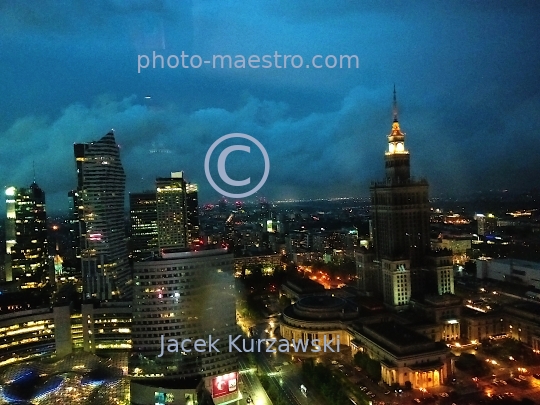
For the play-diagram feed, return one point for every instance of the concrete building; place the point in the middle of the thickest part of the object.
(368, 272)
(184, 294)
(511, 270)
(34, 333)
(487, 224)
(523, 324)
(318, 317)
(444, 314)
(478, 325)
(401, 263)
(267, 262)
(405, 355)
(106, 326)
(396, 282)
(400, 205)
(298, 288)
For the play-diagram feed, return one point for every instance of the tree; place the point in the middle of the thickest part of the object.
(284, 301)
(470, 268)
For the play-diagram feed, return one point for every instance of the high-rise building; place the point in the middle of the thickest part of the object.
(400, 205)
(26, 236)
(401, 233)
(487, 224)
(183, 294)
(143, 221)
(74, 229)
(177, 212)
(100, 194)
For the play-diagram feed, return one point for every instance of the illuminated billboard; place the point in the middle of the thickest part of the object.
(224, 384)
(163, 398)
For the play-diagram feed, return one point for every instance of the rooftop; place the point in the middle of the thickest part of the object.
(304, 285)
(518, 262)
(398, 334)
(185, 253)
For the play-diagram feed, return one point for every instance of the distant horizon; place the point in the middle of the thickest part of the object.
(466, 81)
(364, 199)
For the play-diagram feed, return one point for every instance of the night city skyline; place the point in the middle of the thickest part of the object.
(269, 203)
(465, 76)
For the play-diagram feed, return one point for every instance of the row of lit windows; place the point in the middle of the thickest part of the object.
(24, 325)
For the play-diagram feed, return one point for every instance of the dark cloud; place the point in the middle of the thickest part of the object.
(466, 74)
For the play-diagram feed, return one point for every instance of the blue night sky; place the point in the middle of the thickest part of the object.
(467, 75)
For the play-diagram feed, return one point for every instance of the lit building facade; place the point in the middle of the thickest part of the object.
(177, 212)
(183, 294)
(143, 221)
(321, 317)
(106, 326)
(267, 262)
(33, 333)
(405, 355)
(100, 194)
(26, 236)
(396, 282)
(443, 313)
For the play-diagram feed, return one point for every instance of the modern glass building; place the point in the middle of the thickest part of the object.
(100, 192)
(26, 236)
(177, 212)
(143, 224)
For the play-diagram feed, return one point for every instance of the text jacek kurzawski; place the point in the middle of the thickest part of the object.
(242, 345)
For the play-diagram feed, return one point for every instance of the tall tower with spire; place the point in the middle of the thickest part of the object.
(397, 158)
(400, 218)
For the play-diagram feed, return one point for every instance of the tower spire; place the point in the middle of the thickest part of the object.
(394, 107)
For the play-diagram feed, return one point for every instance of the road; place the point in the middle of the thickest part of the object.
(279, 367)
(250, 386)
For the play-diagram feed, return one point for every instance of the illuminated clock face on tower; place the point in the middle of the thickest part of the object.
(400, 147)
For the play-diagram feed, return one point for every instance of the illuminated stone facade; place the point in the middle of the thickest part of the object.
(405, 355)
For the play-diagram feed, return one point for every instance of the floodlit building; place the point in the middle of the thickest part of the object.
(405, 355)
(401, 264)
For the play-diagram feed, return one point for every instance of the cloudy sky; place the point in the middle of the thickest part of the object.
(467, 76)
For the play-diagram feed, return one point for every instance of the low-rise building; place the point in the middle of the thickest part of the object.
(405, 355)
(511, 270)
(318, 317)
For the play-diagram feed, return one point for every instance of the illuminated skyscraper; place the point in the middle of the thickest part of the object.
(400, 205)
(143, 221)
(400, 219)
(26, 236)
(100, 193)
(177, 212)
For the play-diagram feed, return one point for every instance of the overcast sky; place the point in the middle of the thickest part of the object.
(467, 76)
